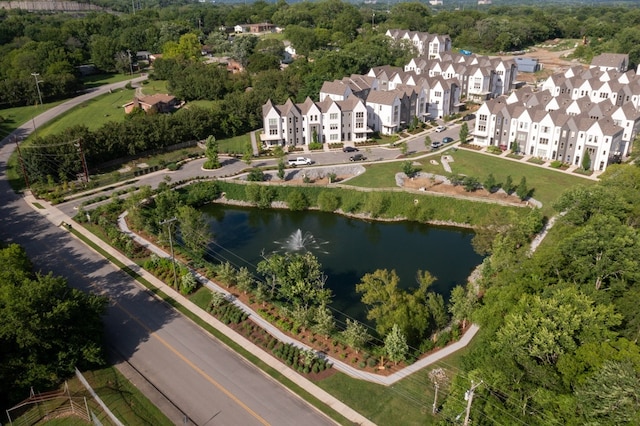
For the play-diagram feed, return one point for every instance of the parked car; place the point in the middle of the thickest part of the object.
(447, 140)
(357, 157)
(468, 117)
(436, 144)
(440, 129)
(349, 149)
(299, 161)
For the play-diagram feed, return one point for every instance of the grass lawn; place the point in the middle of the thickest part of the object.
(98, 80)
(153, 87)
(547, 184)
(92, 113)
(410, 399)
(12, 118)
(202, 104)
(236, 145)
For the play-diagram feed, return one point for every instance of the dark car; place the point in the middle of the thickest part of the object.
(447, 140)
(349, 149)
(468, 117)
(357, 157)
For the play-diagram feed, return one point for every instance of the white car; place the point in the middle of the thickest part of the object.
(440, 129)
(300, 161)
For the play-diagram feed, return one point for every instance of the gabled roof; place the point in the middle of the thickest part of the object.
(382, 97)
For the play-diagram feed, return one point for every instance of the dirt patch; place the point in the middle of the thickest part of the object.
(553, 61)
(428, 184)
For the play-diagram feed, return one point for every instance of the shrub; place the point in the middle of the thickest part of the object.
(255, 175)
(556, 164)
(315, 145)
(328, 201)
(297, 201)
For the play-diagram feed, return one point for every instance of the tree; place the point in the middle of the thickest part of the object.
(328, 201)
(244, 280)
(281, 169)
(586, 161)
(461, 305)
(247, 156)
(324, 321)
(522, 191)
(427, 142)
(211, 152)
(464, 132)
(490, 183)
(194, 229)
(46, 327)
(409, 169)
(356, 335)
(395, 345)
(611, 395)
(508, 185)
(297, 201)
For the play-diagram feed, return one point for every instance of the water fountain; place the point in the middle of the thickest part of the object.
(299, 241)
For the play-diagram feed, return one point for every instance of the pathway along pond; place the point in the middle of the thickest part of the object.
(347, 248)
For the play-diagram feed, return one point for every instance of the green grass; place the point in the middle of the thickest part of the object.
(548, 184)
(98, 80)
(12, 118)
(123, 398)
(92, 113)
(237, 144)
(218, 335)
(409, 399)
(202, 104)
(153, 87)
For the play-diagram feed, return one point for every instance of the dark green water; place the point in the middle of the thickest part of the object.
(347, 248)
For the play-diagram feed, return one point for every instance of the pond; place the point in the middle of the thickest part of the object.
(347, 248)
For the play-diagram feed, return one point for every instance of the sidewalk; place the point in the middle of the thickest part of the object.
(58, 218)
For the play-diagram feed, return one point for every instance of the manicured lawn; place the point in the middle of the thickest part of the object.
(236, 145)
(92, 113)
(547, 184)
(202, 104)
(410, 399)
(152, 87)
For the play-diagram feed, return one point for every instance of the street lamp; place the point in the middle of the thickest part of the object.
(130, 63)
(35, 75)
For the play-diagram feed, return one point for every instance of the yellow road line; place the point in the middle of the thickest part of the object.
(195, 367)
(177, 353)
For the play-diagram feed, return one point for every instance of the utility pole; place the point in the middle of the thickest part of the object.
(78, 144)
(437, 376)
(35, 75)
(173, 258)
(24, 170)
(130, 63)
(469, 397)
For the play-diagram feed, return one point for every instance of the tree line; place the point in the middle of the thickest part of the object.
(47, 329)
(559, 328)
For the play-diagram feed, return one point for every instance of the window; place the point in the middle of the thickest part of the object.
(437, 94)
(333, 137)
(359, 125)
(333, 126)
(545, 129)
(482, 127)
(273, 122)
(273, 132)
(359, 114)
(333, 116)
(544, 141)
(483, 117)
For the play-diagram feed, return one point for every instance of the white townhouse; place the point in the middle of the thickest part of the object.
(383, 111)
(426, 44)
(327, 121)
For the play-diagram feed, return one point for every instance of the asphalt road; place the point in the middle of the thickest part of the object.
(206, 382)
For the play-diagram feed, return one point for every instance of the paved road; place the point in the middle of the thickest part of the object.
(209, 383)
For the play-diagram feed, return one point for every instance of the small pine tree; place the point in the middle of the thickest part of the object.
(490, 183)
(211, 151)
(508, 185)
(281, 167)
(464, 133)
(522, 191)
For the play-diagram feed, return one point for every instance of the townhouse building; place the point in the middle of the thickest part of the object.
(581, 112)
(327, 121)
(429, 45)
(429, 87)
